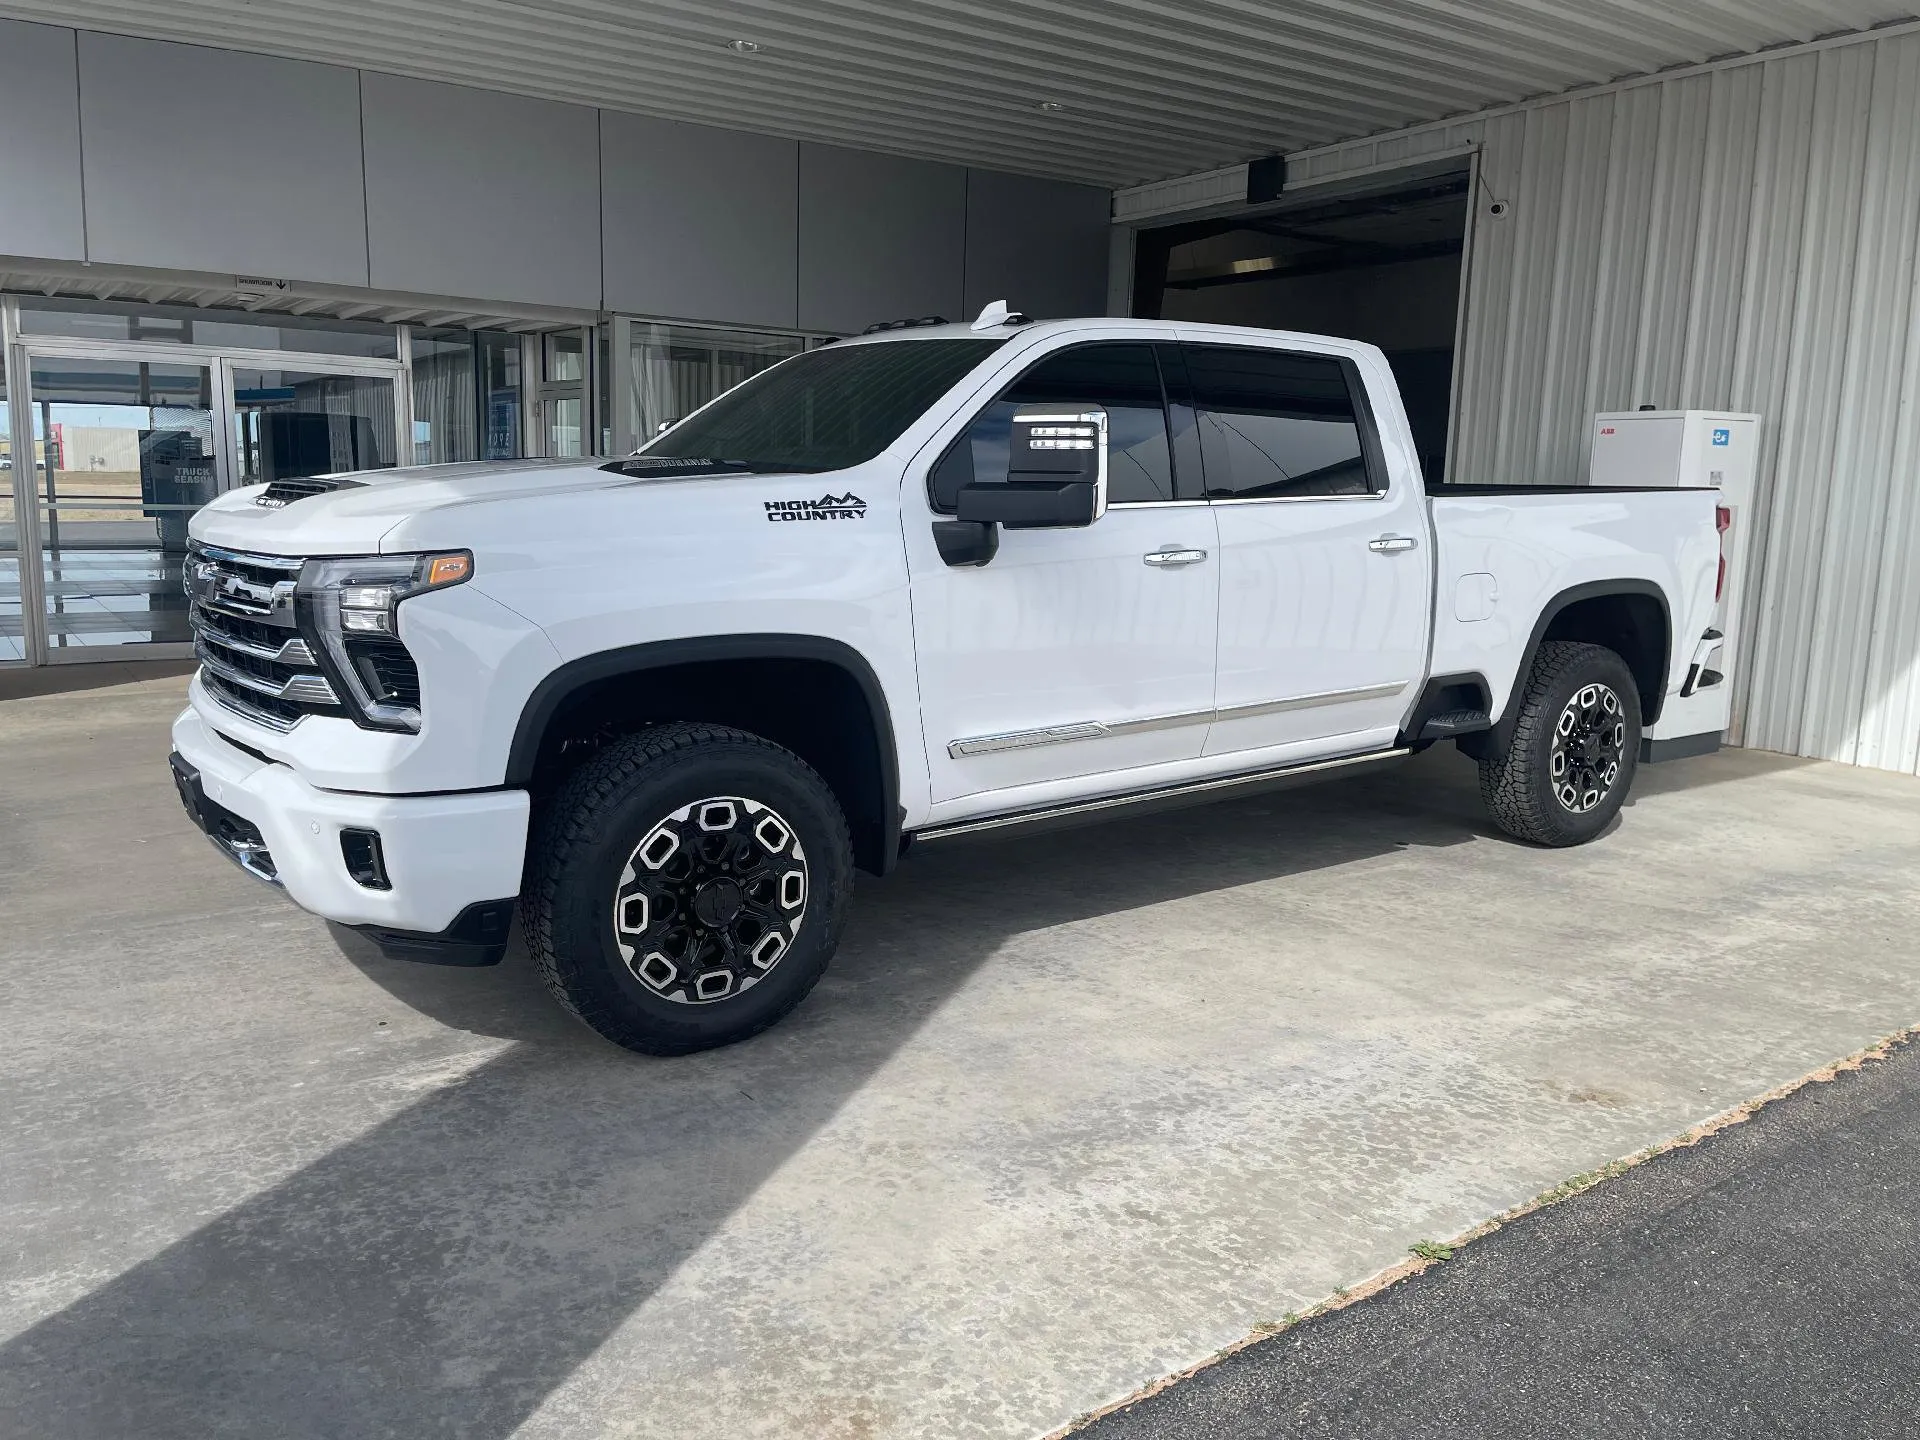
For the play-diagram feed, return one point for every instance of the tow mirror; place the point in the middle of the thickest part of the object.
(1056, 473)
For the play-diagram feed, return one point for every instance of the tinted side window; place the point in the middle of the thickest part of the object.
(1275, 424)
(1122, 377)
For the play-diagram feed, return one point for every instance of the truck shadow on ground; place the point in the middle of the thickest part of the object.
(446, 1271)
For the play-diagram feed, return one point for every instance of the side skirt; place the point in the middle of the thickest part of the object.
(1166, 797)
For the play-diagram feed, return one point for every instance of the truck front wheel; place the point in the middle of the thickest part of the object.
(1569, 766)
(686, 887)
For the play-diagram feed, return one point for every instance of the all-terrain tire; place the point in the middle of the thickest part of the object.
(1523, 794)
(622, 945)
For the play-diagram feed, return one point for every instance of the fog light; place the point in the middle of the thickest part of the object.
(366, 862)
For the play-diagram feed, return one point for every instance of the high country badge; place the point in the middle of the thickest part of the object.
(827, 507)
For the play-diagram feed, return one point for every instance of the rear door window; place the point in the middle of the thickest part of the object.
(1277, 424)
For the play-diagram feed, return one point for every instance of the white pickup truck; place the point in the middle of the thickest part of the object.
(931, 581)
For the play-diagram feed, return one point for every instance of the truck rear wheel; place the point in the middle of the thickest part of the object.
(686, 887)
(1574, 749)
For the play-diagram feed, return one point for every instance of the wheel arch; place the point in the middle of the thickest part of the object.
(704, 678)
(1629, 616)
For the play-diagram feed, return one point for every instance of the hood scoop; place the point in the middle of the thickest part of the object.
(282, 493)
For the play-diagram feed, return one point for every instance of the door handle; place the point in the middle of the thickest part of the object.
(1171, 558)
(1391, 544)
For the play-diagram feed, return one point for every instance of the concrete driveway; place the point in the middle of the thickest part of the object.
(1067, 1114)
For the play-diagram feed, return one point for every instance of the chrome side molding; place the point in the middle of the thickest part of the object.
(1099, 729)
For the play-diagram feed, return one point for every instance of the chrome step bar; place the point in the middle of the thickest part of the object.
(1190, 792)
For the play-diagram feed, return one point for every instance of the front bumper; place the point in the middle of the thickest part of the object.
(444, 855)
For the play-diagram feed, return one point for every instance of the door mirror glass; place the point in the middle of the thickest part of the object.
(1056, 472)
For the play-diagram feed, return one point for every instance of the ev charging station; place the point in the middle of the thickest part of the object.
(1683, 448)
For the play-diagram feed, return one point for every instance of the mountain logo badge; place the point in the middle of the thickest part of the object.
(827, 507)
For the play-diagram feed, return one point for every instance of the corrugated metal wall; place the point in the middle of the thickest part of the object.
(1745, 238)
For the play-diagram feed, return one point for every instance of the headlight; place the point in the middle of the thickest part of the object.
(352, 609)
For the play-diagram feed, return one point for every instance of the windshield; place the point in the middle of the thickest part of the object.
(824, 410)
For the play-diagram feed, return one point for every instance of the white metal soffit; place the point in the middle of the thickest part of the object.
(1113, 92)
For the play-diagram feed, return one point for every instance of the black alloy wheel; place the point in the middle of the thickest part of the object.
(1588, 742)
(686, 886)
(710, 901)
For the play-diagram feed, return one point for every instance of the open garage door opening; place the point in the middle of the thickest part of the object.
(1384, 266)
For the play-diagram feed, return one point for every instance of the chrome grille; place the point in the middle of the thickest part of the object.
(252, 658)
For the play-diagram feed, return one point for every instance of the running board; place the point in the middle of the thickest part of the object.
(1166, 797)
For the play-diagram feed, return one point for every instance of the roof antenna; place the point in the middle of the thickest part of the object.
(997, 314)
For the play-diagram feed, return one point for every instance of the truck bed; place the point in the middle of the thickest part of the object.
(1506, 554)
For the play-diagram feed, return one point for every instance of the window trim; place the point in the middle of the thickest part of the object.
(1372, 452)
(1152, 345)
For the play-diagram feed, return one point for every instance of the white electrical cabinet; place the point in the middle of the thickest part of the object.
(1682, 448)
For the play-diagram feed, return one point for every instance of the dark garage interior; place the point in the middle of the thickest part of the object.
(1382, 266)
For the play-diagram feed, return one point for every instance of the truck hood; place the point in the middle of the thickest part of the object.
(355, 519)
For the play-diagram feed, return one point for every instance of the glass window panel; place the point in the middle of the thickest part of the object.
(603, 380)
(566, 357)
(13, 634)
(289, 423)
(1274, 424)
(190, 325)
(678, 368)
(124, 454)
(564, 435)
(500, 395)
(445, 396)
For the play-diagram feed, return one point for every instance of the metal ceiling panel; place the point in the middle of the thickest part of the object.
(1112, 92)
(78, 280)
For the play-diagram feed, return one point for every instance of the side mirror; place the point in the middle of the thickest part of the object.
(1056, 473)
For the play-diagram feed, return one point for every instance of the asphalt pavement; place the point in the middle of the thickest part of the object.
(1762, 1282)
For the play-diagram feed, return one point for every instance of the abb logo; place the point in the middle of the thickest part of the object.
(1606, 429)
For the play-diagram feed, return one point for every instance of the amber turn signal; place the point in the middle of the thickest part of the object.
(448, 569)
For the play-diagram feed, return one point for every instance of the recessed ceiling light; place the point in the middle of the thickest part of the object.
(744, 47)
(1052, 105)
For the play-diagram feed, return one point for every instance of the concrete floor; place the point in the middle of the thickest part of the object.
(1067, 1114)
(1763, 1284)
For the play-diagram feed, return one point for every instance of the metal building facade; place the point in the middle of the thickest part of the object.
(1740, 235)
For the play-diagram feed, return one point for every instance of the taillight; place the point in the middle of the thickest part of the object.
(1722, 521)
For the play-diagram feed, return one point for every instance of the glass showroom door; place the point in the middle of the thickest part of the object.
(127, 444)
(299, 416)
(123, 451)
